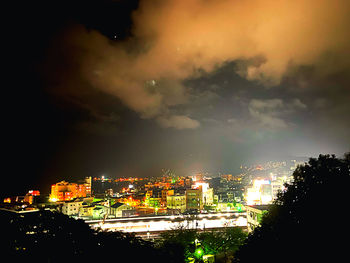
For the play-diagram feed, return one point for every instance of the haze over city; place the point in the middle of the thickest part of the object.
(128, 88)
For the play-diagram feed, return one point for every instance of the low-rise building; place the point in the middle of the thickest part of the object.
(71, 208)
(176, 202)
(255, 214)
(86, 210)
(120, 210)
(100, 212)
(154, 202)
(208, 197)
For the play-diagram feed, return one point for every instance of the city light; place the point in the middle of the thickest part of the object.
(34, 192)
(199, 252)
(259, 193)
(202, 185)
(53, 199)
(154, 205)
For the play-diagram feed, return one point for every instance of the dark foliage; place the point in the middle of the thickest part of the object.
(176, 244)
(309, 222)
(53, 237)
(179, 245)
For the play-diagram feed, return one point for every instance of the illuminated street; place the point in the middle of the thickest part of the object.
(164, 223)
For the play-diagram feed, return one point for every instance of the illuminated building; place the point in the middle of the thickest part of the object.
(259, 193)
(129, 200)
(121, 210)
(153, 202)
(109, 192)
(88, 186)
(86, 210)
(223, 206)
(188, 182)
(29, 197)
(252, 196)
(227, 177)
(255, 214)
(207, 193)
(34, 192)
(72, 208)
(194, 199)
(226, 206)
(64, 191)
(7, 200)
(176, 202)
(100, 212)
(208, 197)
(198, 177)
(278, 184)
(165, 194)
(149, 194)
(266, 194)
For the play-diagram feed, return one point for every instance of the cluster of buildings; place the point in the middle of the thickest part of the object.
(77, 199)
(193, 199)
(102, 197)
(267, 182)
(162, 195)
(28, 199)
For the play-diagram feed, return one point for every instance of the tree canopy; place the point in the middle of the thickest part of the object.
(309, 221)
(54, 237)
(182, 244)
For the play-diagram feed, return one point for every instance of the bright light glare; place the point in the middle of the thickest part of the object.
(53, 199)
(199, 252)
(145, 224)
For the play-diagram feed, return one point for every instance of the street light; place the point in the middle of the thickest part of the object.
(199, 252)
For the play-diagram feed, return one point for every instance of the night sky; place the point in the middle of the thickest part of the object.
(127, 88)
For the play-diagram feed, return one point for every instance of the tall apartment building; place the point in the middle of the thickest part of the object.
(88, 185)
(65, 191)
(165, 194)
(207, 193)
(194, 199)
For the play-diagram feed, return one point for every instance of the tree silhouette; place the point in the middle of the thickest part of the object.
(223, 243)
(176, 244)
(308, 222)
(180, 244)
(54, 237)
(44, 236)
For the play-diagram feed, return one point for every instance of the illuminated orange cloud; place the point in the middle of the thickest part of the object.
(176, 39)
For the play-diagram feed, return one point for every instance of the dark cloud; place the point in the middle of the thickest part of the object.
(271, 112)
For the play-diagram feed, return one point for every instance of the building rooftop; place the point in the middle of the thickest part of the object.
(261, 207)
(116, 205)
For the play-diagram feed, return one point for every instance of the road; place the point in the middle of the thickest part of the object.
(157, 224)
